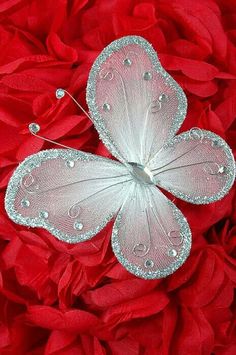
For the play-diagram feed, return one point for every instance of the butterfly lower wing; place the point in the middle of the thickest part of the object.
(151, 237)
(70, 193)
(197, 166)
(134, 103)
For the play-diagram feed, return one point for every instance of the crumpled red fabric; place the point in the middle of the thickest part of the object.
(77, 299)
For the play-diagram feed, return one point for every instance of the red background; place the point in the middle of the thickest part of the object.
(62, 299)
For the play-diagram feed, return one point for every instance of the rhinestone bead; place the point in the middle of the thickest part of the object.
(78, 225)
(147, 75)
(222, 170)
(127, 62)
(149, 263)
(172, 253)
(163, 98)
(106, 107)
(43, 214)
(70, 163)
(60, 93)
(25, 203)
(34, 127)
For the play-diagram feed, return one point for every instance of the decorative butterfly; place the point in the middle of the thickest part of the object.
(137, 108)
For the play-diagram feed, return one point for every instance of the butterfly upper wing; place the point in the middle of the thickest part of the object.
(197, 166)
(70, 193)
(134, 103)
(151, 237)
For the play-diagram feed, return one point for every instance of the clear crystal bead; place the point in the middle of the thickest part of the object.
(34, 127)
(70, 163)
(222, 169)
(25, 203)
(172, 253)
(78, 225)
(106, 107)
(147, 75)
(149, 263)
(43, 214)
(127, 62)
(163, 97)
(60, 93)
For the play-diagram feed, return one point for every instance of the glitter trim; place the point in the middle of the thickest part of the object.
(27, 167)
(159, 273)
(230, 168)
(91, 90)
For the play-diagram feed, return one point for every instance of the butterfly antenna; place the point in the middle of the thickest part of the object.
(34, 128)
(60, 93)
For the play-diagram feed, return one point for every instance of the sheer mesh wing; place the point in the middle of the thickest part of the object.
(151, 237)
(196, 166)
(69, 193)
(134, 103)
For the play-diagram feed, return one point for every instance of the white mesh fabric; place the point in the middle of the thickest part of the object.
(137, 121)
(87, 192)
(153, 237)
(196, 166)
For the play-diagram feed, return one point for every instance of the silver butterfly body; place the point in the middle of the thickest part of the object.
(137, 108)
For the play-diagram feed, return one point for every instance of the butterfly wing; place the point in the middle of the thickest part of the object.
(70, 193)
(197, 166)
(134, 103)
(151, 237)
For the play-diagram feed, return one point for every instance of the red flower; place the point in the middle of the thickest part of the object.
(76, 299)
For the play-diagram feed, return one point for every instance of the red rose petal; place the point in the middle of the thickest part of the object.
(58, 341)
(141, 307)
(60, 50)
(193, 69)
(24, 82)
(72, 321)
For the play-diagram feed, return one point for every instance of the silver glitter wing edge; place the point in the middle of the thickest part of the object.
(230, 168)
(91, 89)
(27, 167)
(159, 273)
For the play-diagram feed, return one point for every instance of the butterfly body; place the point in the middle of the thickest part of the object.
(141, 173)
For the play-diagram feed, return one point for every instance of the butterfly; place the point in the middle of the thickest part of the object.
(137, 109)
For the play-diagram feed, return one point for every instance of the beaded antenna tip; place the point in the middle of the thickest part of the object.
(34, 127)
